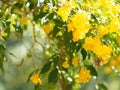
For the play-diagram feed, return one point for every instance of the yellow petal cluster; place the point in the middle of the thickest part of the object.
(65, 64)
(48, 27)
(24, 20)
(109, 6)
(79, 25)
(102, 30)
(84, 76)
(108, 69)
(75, 60)
(102, 51)
(35, 79)
(112, 27)
(115, 61)
(65, 9)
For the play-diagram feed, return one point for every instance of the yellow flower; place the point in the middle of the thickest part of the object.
(75, 61)
(35, 79)
(102, 30)
(102, 51)
(115, 62)
(114, 25)
(84, 76)
(70, 26)
(114, 9)
(79, 25)
(118, 39)
(24, 20)
(65, 10)
(91, 43)
(45, 8)
(48, 27)
(108, 69)
(65, 64)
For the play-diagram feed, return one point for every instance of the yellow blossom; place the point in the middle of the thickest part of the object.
(70, 26)
(91, 43)
(75, 61)
(102, 51)
(107, 69)
(102, 30)
(65, 9)
(35, 79)
(118, 39)
(79, 25)
(114, 25)
(24, 20)
(48, 27)
(65, 64)
(45, 8)
(105, 3)
(115, 62)
(84, 76)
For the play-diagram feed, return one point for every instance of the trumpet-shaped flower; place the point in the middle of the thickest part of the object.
(65, 9)
(79, 25)
(84, 76)
(65, 64)
(95, 45)
(75, 61)
(35, 79)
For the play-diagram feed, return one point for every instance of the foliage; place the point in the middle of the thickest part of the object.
(84, 35)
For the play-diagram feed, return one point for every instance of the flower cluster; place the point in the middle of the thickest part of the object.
(79, 25)
(35, 79)
(65, 9)
(84, 76)
(48, 27)
(65, 63)
(23, 20)
(75, 61)
(95, 45)
(112, 27)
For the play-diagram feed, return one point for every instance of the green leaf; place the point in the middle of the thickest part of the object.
(19, 5)
(53, 76)
(1, 65)
(55, 31)
(102, 86)
(79, 44)
(46, 67)
(84, 53)
(29, 76)
(1, 14)
(50, 16)
(2, 56)
(56, 60)
(94, 17)
(58, 22)
(92, 70)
